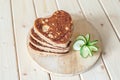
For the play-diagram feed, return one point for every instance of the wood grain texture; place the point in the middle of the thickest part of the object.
(54, 77)
(103, 14)
(44, 7)
(97, 17)
(24, 16)
(112, 10)
(73, 8)
(8, 65)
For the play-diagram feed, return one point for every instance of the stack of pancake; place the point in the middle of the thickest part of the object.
(51, 36)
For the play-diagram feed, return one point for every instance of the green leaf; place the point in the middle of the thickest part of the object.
(81, 37)
(85, 51)
(91, 43)
(87, 37)
(93, 48)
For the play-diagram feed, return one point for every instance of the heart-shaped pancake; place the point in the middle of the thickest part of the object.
(56, 29)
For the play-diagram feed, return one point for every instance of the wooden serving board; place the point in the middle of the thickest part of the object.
(71, 63)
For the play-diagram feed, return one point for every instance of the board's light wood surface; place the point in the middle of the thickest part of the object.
(103, 14)
(71, 63)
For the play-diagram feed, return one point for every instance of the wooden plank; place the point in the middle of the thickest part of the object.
(112, 9)
(98, 71)
(44, 7)
(97, 17)
(8, 65)
(73, 8)
(48, 8)
(53, 77)
(24, 16)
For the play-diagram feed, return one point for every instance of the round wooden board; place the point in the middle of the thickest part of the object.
(71, 63)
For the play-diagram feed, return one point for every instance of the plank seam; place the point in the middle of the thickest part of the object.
(81, 10)
(14, 38)
(50, 76)
(113, 27)
(80, 77)
(100, 56)
(34, 8)
(56, 4)
(106, 68)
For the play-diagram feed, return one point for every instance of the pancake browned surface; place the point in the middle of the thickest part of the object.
(57, 29)
(51, 35)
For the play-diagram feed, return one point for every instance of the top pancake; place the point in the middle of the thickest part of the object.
(57, 28)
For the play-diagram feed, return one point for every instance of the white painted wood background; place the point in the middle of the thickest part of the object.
(17, 17)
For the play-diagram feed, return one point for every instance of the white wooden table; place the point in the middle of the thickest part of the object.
(17, 17)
